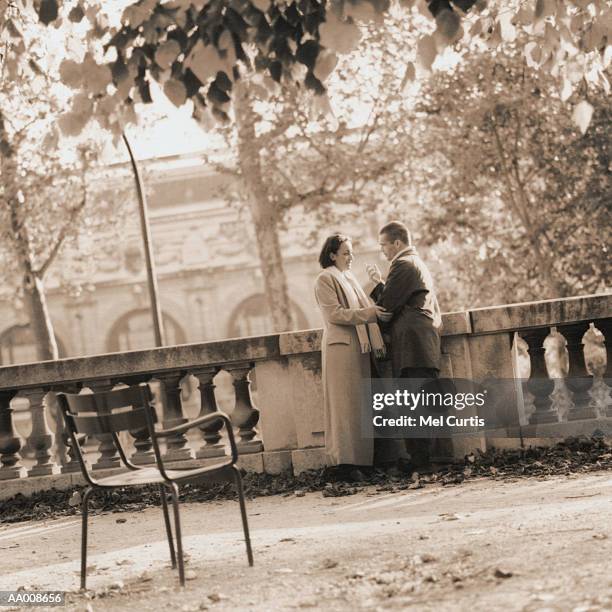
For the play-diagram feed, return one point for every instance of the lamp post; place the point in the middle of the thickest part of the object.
(158, 327)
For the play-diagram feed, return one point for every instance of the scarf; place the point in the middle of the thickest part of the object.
(369, 335)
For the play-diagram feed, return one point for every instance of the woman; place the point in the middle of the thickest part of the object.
(350, 334)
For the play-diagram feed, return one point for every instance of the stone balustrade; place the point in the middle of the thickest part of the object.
(560, 349)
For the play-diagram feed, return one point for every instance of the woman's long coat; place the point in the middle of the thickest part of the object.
(344, 368)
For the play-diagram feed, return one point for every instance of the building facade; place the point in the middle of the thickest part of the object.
(209, 277)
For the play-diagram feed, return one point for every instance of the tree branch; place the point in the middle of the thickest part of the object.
(74, 213)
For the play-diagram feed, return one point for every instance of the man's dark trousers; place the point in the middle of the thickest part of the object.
(419, 448)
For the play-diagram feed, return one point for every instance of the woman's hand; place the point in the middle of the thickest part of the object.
(374, 273)
(382, 314)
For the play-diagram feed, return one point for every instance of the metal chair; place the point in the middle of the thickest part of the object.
(132, 409)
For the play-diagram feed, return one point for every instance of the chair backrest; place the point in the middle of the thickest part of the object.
(108, 412)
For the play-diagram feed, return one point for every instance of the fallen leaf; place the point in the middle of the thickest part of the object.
(216, 597)
(123, 562)
(501, 573)
(75, 499)
(582, 115)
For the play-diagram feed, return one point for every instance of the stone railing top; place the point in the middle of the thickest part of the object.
(541, 314)
(191, 357)
(188, 357)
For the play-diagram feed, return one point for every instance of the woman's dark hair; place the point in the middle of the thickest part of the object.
(331, 245)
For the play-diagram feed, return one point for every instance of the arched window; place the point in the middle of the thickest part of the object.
(17, 345)
(252, 318)
(134, 330)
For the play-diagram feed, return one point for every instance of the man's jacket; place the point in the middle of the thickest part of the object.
(414, 329)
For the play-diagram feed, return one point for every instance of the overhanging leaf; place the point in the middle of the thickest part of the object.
(339, 36)
(448, 23)
(426, 51)
(262, 5)
(71, 73)
(175, 91)
(76, 14)
(72, 124)
(205, 61)
(167, 53)
(361, 11)
(47, 11)
(96, 77)
(325, 64)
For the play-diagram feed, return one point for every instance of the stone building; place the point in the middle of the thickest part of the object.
(210, 282)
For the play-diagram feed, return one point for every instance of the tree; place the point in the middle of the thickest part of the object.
(44, 189)
(204, 52)
(198, 49)
(328, 169)
(518, 191)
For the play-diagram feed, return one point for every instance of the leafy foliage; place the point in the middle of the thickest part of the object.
(198, 49)
(47, 190)
(515, 189)
(323, 166)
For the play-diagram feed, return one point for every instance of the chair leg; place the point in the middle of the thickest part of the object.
(177, 530)
(245, 523)
(163, 493)
(84, 512)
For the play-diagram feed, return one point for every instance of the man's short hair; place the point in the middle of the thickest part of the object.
(396, 231)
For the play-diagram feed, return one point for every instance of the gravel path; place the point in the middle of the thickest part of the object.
(527, 544)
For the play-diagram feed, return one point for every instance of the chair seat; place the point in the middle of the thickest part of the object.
(151, 475)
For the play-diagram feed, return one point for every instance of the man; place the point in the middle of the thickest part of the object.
(409, 294)
(414, 328)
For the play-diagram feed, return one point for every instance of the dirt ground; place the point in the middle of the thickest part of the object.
(524, 544)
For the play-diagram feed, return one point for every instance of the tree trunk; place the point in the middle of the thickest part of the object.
(32, 283)
(265, 217)
(39, 317)
(543, 261)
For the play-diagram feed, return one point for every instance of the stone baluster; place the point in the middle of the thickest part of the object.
(66, 455)
(521, 366)
(539, 384)
(9, 442)
(245, 415)
(208, 405)
(143, 454)
(605, 327)
(41, 438)
(578, 380)
(109, 456)
(177, 448)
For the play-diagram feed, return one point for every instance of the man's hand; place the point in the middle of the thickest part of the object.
(382, 314)
(374, 273)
